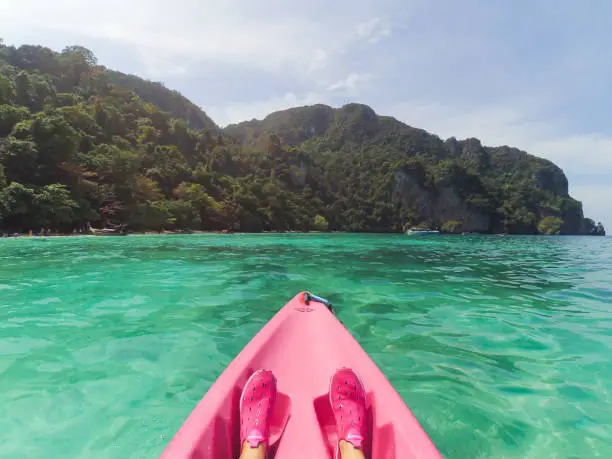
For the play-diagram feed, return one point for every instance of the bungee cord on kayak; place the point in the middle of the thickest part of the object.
(347, 398)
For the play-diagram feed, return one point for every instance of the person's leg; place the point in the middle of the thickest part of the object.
(347, 397)
(256, 408)
(348, 451)
(253, 453)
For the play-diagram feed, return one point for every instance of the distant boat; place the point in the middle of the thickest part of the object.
(108, 232)
(411, 232)
(120, 231)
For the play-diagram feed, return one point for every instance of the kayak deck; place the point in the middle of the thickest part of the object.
(303, 344)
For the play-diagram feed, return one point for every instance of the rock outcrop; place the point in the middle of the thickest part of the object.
(437, 207)
(457, 185)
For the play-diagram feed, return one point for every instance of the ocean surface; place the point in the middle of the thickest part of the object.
(501, 346)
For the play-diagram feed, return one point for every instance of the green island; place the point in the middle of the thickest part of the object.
(83, 145)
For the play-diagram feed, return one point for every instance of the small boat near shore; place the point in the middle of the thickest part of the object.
(418, 232)
(117, 231)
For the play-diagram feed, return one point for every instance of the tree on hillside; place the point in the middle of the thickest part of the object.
(80, 143)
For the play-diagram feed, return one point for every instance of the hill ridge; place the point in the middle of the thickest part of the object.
(82, 144)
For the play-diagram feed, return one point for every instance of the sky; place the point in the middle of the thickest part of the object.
(534, 74)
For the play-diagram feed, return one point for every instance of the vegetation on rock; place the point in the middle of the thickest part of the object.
(82, 144)
(550, 225)
(320, 223)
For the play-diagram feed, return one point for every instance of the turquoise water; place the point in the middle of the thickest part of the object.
(502, 347)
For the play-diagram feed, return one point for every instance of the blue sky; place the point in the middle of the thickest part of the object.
(532, 74)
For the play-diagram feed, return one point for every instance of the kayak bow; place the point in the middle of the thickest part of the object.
(303, 344)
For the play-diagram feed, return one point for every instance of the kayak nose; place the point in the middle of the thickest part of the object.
(308, 297)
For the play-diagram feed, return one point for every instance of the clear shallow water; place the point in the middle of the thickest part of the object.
(502, 347)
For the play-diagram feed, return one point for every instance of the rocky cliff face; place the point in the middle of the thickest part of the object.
(437, 207)
(372, 164)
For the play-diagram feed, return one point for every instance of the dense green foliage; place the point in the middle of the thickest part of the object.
(170, 101)
(359, 154)
(320, 223)
(82, 144)
(550, 225)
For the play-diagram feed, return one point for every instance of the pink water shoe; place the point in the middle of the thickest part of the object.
(348, 400)
(256, 407)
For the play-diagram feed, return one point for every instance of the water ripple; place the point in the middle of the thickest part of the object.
(500, 346)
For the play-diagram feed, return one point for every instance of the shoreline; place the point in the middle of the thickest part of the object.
(221, 233)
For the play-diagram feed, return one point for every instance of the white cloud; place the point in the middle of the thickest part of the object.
(234, 112)
(496, 124)
(319, 61)
(591, 153)
(374, 29)
(243, 111)
(271, 35)
(351, 84)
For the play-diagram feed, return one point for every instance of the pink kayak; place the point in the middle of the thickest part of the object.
(303, 344)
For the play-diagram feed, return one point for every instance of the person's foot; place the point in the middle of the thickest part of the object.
(256, 407)
(347, 397)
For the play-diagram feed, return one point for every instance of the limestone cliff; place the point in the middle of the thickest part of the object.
(455, 185)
